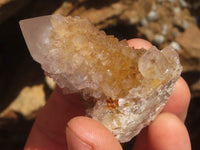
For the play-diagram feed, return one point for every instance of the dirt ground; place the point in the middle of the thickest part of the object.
(23, 87)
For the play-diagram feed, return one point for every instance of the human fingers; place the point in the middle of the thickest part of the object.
(84, 133)
(48, 132)
(166, 132)
(139, 43)
(179, 100)
(49, 129)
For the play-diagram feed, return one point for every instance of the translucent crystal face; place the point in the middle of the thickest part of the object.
(129, 87)
(109, 67)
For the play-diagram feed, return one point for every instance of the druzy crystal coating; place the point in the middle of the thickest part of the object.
(126, 87)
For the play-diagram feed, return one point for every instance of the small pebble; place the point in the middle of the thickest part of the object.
(164, 29)
(183, 3)
(175, 45)
(159, 39)
(152, 16)
(185, 24)
(177, 10)
(144, 22)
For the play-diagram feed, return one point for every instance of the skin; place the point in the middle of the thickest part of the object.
(61, 123)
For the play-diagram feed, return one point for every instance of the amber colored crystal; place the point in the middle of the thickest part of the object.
(128, 87)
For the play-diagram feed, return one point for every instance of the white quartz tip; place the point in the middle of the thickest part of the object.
(35, 32)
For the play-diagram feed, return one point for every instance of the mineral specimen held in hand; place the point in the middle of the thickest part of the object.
(127, 87)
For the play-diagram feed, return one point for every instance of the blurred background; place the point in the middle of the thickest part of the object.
(23, 87)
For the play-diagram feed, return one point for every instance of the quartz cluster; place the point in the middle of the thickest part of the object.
(126, 87)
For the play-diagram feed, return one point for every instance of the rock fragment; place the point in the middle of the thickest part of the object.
(175, 45)
(128, 87)
(152, 16)
(159, 39)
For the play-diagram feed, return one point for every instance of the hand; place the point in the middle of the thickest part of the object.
(57, 126)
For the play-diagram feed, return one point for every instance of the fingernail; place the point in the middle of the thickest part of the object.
(75, 143)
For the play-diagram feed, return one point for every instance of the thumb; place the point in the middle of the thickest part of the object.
(84, 133)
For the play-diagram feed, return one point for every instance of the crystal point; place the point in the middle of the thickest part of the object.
(35, 31)
(125, 88)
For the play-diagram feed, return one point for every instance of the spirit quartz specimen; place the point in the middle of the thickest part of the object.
(126, 88)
